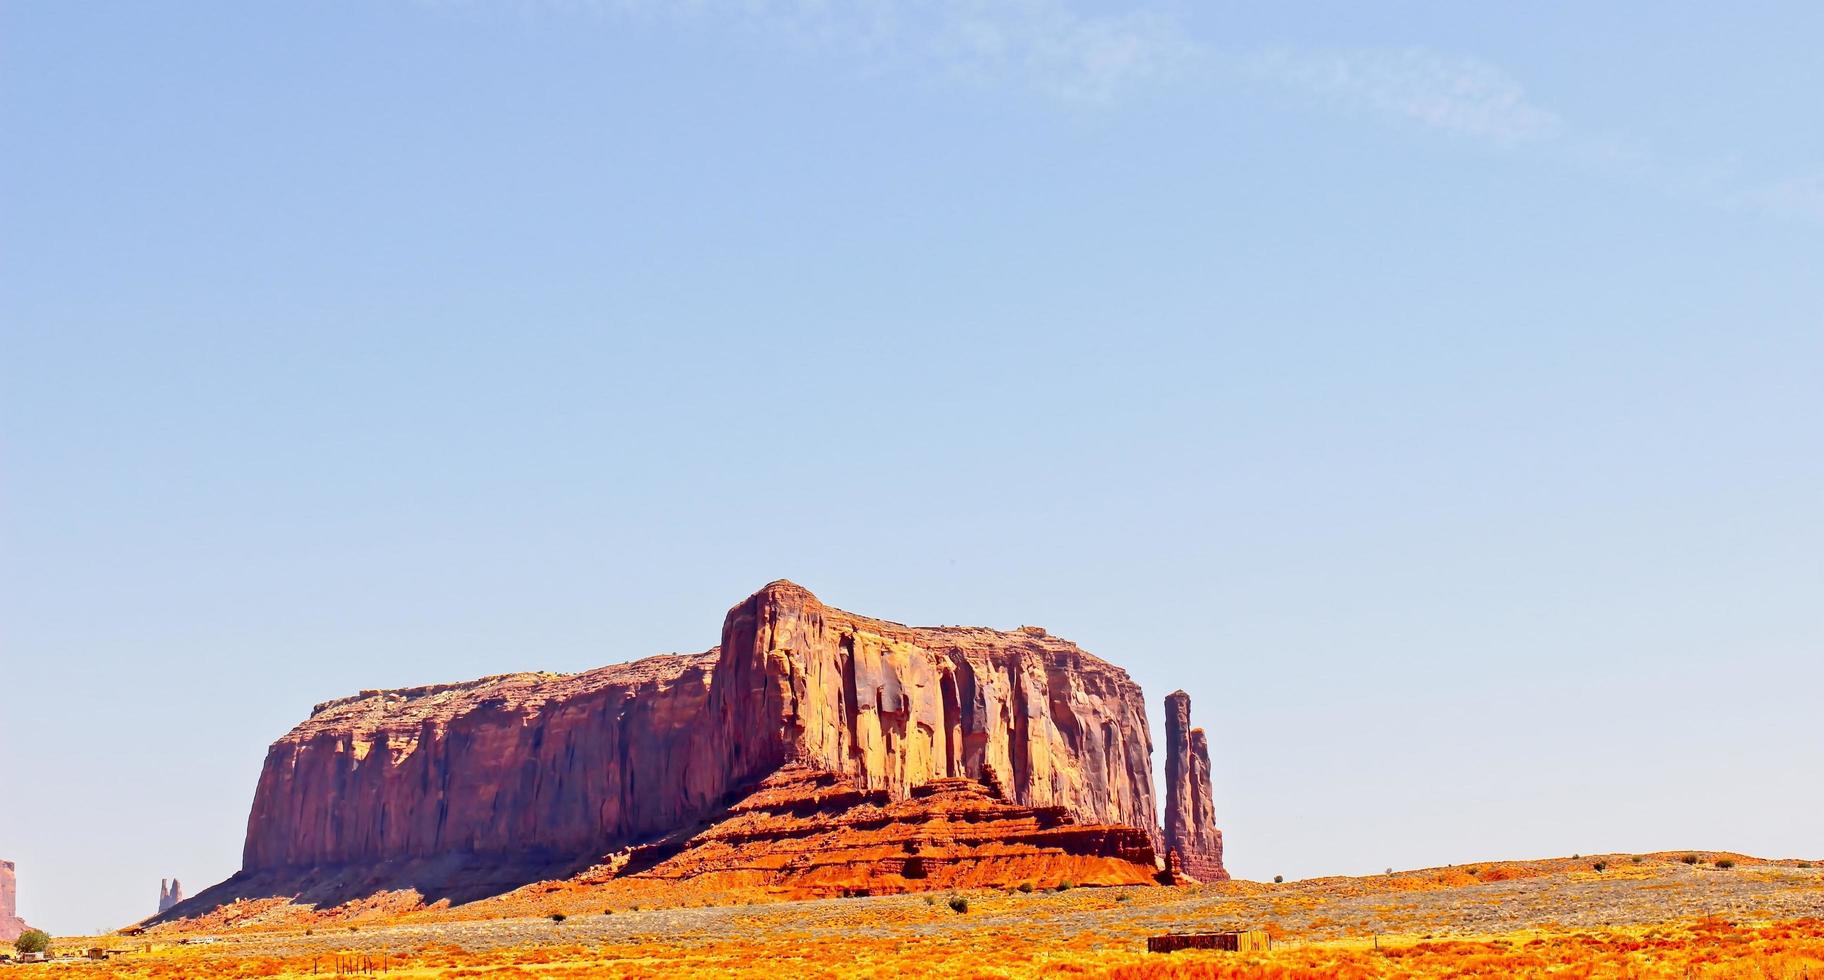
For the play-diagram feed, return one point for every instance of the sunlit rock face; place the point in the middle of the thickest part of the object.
(10, 923)
(1193, 844)
(809, 834)
(542, 768)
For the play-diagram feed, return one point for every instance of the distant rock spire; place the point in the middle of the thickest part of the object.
(168, 897)
(1191, 836)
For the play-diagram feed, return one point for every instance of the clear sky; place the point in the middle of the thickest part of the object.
(1433, 391)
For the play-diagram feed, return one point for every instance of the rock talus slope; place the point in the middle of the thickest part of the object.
(807, 833)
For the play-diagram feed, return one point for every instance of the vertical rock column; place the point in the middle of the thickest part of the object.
(10, 926)
(1191, 838)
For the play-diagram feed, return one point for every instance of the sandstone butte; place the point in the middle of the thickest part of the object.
(10, 923)
(813, 749)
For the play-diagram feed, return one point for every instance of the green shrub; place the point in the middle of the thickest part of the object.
(1025, 887)
(607, 911)
(1725, 864)
(959, 904)
(1065, 886)
(1635, 859)
(557, 918)
(33, 941)
(1279, 879)
(1689, 859)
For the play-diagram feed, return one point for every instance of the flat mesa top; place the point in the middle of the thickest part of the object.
(404, 710)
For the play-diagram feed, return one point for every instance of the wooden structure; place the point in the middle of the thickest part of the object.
(1251, 941)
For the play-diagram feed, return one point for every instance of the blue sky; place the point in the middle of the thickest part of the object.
(1432, 391)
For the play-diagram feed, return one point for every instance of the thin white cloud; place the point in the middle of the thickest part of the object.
(1454, 93)
(1049, 46)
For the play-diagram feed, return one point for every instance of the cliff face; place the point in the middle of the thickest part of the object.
(1192, 841)
(899, 706)
(10, 924)
(539, 768)
(526, 765)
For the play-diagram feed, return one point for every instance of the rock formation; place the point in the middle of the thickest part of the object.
(1193, 844)
(168, 897)
(809, 833)
(522, 777)
(10, 923)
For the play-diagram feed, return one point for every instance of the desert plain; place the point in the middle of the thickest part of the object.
(1673, 914)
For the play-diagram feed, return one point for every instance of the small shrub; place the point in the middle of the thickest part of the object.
(1123, 897)
(557, 918)
(1473, 871)
(1805, 864)
(635, 908)
(959, 904)
(1689, 859)
(1279, 879)
(1065, 886)
(930, 900)
(1600, 866)
(1025, 887)
(1576, 857)
(1725, 864)
(33, 941)
(607, 911)
(1390, 871)
(1635, 859)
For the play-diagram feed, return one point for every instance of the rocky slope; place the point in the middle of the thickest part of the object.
(807, 833)
(457, 789)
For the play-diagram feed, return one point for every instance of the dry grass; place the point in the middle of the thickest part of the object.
(1658, 917)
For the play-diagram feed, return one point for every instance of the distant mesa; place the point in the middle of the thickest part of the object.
(11, 926)
(813, 751)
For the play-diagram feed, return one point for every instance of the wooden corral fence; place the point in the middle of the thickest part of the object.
(350, 964)
(1251, 941)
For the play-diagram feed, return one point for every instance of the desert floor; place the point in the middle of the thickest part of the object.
(1640, 916)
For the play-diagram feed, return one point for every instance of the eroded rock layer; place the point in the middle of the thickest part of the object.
(539, 769)
(10, 923)
(1193, 843)
(809, 833)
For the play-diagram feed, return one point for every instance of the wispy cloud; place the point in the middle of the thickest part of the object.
(1049, 46)
(1095, 54)
(1447, 92)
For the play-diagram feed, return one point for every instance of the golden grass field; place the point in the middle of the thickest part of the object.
(1640, 916)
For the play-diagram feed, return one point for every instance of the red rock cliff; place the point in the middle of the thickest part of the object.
(1191, 837)
(10, 924)
(571, 766)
